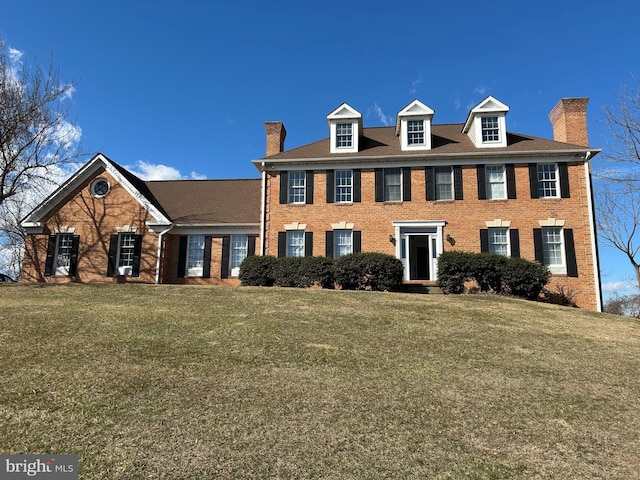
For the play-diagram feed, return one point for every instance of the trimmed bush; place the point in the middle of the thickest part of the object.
(488, 269)
(524, 278)
(303, 272)
(368, 271)
(258, 271)
(454, 269)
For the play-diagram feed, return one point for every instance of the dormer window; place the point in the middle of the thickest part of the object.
(415, 132)
(345, 127)
(490, 129)
(486, 124)
(413, 126)
(344, 135)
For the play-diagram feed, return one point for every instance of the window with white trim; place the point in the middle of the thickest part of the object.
(496, 182)
(64, 247)
(392, 185)
(195, 255)
(552, 248)
(490, 129)
(344, 135)
(343, 243)
(499, 241)
(126, 250)
(295, 243)
(344, 186)
(547, 180)
(444, 183)
(296, 186)
(415, 132)
(239, 249)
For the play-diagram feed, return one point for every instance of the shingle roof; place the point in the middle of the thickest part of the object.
(447, 139)
(208, 202)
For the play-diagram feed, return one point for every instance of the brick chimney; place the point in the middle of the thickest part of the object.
(276, 134)
(569, 120)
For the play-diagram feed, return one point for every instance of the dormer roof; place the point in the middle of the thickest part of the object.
(414, 109)
(344, 112)
(488, 105)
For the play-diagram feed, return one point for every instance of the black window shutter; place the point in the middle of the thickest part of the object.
(308, 194)
(328, 239)
(308, 244)
(113, 254)
(430, 184)
(73, 260)
(137, 253)
(357, 241)
(406, 184)
(570, 253)
(537, 245)
(282, 244)
(182, 256)
(379, 179)
(484, 240)
(563, 169)
(511, 181)
(284, 187)
(251, 246)
(331, 186)
(206, 267)
(357, 185)
(224, 264)
(533, 180)
(482, 187)
(457, 182)
(514, 239)
(51, 253)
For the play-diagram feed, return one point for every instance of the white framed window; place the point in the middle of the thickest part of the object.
(548, 180)
(392, 185)
(64, 247)
(295, 243)
(415, 132)
(100, 187)
(239, 249)
(552, 249)
(444, 183)
(296, 186)
(496, 182)
(344, 186)
(195, 255)
(344, 135)
(490, 129)
(126, 250)
(343, 243)
(499, 241)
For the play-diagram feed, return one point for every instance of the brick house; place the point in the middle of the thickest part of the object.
(413, 190)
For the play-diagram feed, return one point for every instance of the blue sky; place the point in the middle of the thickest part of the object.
(182, 88)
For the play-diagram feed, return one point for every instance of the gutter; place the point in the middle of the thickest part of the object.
(263, 210)
(592, 230)
(159, 254)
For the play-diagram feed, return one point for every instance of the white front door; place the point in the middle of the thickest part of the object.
(418, 246)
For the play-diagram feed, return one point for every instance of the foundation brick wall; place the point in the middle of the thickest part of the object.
(464, 218)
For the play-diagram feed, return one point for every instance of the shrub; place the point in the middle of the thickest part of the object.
(258, 271)
(488, 269)
(524, 278)
(303, 272)
(368, 271)
(454, 269)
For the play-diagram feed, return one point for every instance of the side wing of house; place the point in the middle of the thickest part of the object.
(94, 228)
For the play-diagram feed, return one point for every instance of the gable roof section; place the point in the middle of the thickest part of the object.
(381, 143)
(132, 184)
(488, 105)
(414, 108)
(209, 202)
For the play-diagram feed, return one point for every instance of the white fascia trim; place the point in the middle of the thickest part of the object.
(221, 229)
(594, 239)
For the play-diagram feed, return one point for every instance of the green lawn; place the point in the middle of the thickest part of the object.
(178, 382)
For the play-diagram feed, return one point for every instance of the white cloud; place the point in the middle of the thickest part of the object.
(151, 171)
(15, 55)
(385, 119)
(620, 286)
(480, 90)
(415, 83)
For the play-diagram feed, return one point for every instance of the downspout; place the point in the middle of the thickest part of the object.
(159, 255)
(263, 210)
(592, 230)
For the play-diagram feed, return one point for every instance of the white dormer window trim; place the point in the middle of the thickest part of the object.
(486, 124)
(345, 126)
(413, 126)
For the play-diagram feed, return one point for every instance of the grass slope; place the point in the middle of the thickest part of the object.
(210, 382)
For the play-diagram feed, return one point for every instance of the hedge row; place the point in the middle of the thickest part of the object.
(491, 272)
(357, 271)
